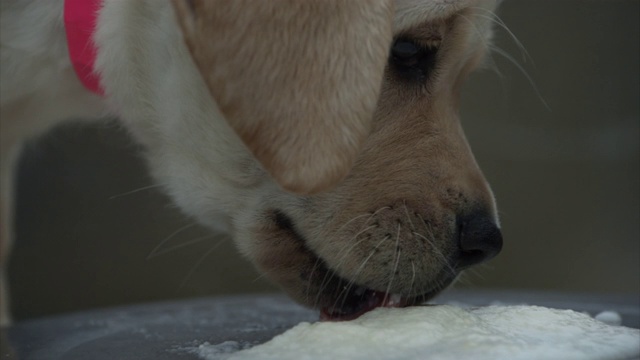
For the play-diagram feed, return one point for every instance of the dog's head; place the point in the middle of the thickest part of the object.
(351, 108)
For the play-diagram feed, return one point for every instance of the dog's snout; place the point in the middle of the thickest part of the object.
(479, 239)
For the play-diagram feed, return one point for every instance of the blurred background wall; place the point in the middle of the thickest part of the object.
(560, 145)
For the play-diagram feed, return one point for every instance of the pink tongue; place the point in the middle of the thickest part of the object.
(369, 301)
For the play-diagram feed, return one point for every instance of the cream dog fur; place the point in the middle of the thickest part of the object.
(322, 135)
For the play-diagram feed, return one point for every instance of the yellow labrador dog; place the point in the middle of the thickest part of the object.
(323, 135)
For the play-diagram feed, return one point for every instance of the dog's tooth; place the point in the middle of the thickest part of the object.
(394, 299)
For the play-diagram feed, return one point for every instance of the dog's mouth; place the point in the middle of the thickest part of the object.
(338, 298)
(361, 301)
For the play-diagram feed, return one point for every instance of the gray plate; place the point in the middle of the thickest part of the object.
(174, 330)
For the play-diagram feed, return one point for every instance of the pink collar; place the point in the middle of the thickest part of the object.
(80, 24)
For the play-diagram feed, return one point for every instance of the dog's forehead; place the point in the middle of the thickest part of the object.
(412, 13)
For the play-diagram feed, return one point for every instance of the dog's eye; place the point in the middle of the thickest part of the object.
(411, 60)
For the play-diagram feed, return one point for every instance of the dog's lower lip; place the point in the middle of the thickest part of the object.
(367, 300)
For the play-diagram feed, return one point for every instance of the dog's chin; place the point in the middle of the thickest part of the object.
(286, 259)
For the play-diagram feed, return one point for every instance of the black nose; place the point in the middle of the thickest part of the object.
(479, 239)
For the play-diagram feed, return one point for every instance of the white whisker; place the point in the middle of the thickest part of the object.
(524, 72)
(481, 35)
(350, 221)
(437, 252)
(135, 191)
(202, 258)
(360, 232)
(260, 276)
(345, 254)
(494, 18)
(313, 270)
(406, 211)
(504, 54)
(181, 245)
(153, 252)
(325, 281)
(395, 267)
(360, 268)
(433, 246)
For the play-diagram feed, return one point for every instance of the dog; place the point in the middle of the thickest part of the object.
(322, 135)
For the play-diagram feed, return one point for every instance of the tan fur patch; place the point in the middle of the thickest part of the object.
(297, 80)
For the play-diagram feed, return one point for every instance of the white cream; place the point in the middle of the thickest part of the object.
(447, 332)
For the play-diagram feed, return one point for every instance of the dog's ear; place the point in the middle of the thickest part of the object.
(297, 80)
